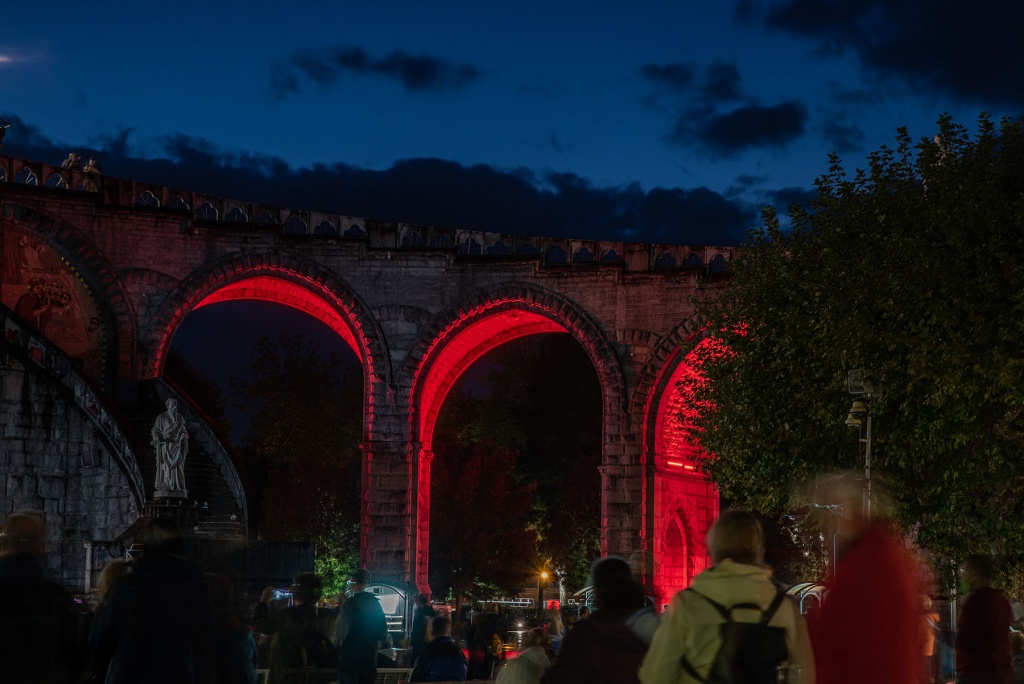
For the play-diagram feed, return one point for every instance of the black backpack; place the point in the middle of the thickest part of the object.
(751, 652)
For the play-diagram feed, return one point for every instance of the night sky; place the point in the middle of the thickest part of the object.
(653, 121)
(658, 121)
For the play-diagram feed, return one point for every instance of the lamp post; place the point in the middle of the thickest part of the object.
(860, 418)
(541, 578)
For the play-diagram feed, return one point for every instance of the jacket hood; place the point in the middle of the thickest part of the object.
(729, 583)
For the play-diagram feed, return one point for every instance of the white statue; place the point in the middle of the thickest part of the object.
(170, 444)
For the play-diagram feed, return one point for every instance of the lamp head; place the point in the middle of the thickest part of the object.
(856, 416)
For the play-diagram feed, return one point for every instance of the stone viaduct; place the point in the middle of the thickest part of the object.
(122, 263)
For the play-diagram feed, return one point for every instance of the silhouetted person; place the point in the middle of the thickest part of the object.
(605, 647)
(297, 639)
(234, 653)
(983, 629)
(37, 621)
(441, 660)
(154, 625)
(420, 626)
(361, 625)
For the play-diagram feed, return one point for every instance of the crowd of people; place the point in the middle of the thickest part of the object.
(159, 619)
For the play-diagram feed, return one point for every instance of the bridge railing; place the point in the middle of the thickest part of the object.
(33, 348)
(198, 208)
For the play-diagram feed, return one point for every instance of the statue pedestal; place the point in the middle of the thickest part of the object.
(174, 506)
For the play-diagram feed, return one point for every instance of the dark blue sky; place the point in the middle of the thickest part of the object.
(657, 121)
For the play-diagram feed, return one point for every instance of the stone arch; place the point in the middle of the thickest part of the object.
(672, 482)
(98, 275)
(488, 320)
(461, 336)
(286, 279)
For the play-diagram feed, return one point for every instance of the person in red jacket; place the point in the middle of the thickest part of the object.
(867, 627)
(983, 629)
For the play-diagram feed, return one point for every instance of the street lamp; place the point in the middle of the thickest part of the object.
(860, 418)
(541, 578)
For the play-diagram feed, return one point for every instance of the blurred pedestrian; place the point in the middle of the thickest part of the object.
(38, 636)
(867, 627)
(528, 667)
(420, 626)
(235, 654)
(154, 625)
(731, 619)
(605, 647)
(441, 660)
(1017, 652)
(95, 671)
(297, 641)
(360, 629)
(983, 628)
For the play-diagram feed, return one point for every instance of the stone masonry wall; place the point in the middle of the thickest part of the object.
(44, 447)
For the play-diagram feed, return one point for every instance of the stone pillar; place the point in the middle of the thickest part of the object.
(388, 532)
(621, 510)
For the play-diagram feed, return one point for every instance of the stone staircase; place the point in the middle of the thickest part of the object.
(219, 509)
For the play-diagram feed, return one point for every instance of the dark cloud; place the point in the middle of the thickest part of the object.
(423, 191)
(785, 197)
(752, 126)
(677, 76)
(722, 81)
(971, 51)
(327, 65)
(842, 136)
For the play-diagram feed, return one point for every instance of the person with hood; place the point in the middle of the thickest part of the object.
(297, 641)
(687, 643)
(155, 624)
(441, 660)
(606, 647)
(420, 626)
(361, 625)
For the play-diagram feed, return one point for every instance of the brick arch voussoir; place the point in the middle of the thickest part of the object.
(317, 279)
(447, 326)
(666, 355)
(88, 261)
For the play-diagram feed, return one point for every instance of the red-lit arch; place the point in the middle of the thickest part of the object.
(489, 321)
(285, 279)
(680, 504)
(274, 289)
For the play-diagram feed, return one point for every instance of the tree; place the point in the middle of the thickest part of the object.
(480, 541)
(913, 269)
(303, 452)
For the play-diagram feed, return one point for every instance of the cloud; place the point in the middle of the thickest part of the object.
(326, 66)
(722, 81)
(432, 192)
(971, 51)
(750, 126)
(842, 136)
(677, 76)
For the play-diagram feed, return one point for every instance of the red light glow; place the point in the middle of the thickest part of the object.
(457, 349)
(270, 289)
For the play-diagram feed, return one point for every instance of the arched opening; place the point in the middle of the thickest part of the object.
(287, 376)
(685, 503)
(517, 445)
(517, 353)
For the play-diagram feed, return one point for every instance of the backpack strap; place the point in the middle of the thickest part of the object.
(772, 608)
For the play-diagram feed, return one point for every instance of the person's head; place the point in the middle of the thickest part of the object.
(440, 626)
(584, 612)
(538, 636)
(22, 533)
(306, 588)
(554, 617)
(737, 535)
(358, 580)
(614, 585)
(111, 571)
(161, 535)
(979, 569)
(424, 600)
